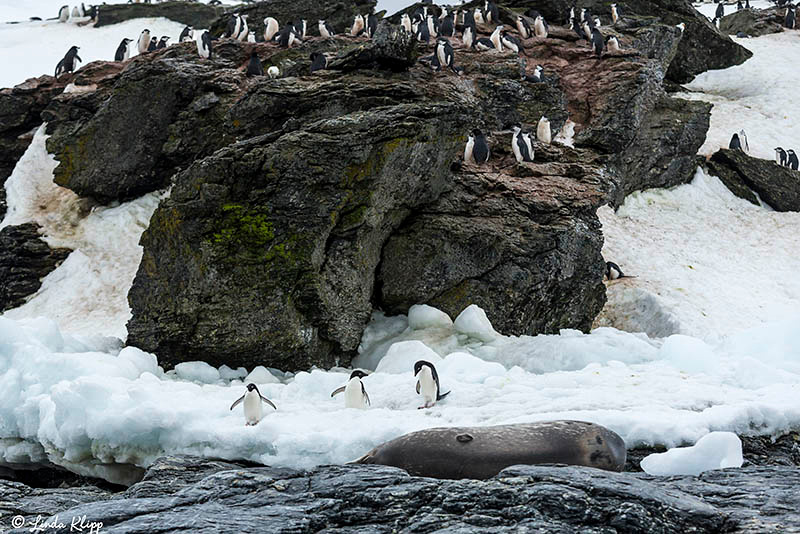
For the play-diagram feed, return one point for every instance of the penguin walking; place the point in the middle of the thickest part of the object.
(325, 29)
(518, 146)
(445, 54)
(428, 383)
(271, 28)
(203, 42)
(69, 63)
(780, 156)
(318, 62)
(252, 400)
(144, 41)
(791, 160)
(187, 34)
(477, 149)
(536, 77)
(543, 133)
(612, 44)
(523, 27)
(355, 395)
(254, 66)
(495, 38)
(162, 43)
(598, 42)
(123, 50)
(735, 143)
(273, 72)
(613, 272)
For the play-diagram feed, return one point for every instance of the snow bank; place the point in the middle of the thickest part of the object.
(88, 293)
(716, 450)
(109, 413)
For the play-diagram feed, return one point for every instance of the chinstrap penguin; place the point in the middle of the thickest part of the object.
(477, 149)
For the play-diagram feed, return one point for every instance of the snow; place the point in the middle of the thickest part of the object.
(88, 293)
(423, 316)
(199, 372)
(716, 450)
(473, 322)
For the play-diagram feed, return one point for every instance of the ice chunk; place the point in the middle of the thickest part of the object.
(260, 375)
(465, 367)
(402, 356)
(474, 323)
(423, 316)
(716, 450)
(197, 372)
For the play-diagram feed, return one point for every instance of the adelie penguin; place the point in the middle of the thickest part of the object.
(252, 400)
(123, 50)
(477, 149)
(522, 152)
(144, 41)
(69, 63)
(326, 30)
(318, 62)
(613, 272)
(355, 394)
(254, 66)
(428, 383)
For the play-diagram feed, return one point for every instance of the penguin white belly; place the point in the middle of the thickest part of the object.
(353, 395)
(515, 148)
(427, 386)
(252, 407)
(468, 157)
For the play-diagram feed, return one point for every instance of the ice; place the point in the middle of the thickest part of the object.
(474, 323)
(197, 372)
(422, 316)
(260, 375)
(716, 450)
(402, 356)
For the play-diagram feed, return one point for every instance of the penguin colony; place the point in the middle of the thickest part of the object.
(355, 394)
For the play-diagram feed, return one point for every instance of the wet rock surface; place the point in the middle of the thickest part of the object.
(186, 493)
(24, 260)
(747, 176)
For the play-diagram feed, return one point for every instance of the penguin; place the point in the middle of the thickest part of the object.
(587, 30)
(273, 72)
(63, 14)
(780, 156)
(428, 383)
(536, 77)
(123, 50)
(301, 29)
(612, 44)
(716, 23)
(613, 272)
(244, 31)
(743, 141)
(432, 26)
(271, 28)
(153, 44)
(162, 43)
(251, 37)
(483, 43)
(286, 37)
(254, 66)
(478, 16)
(681, 26)
(526, 138)
(355, 395)
(747, 4)
(233, 27)
(735, 144)
(252, 399)
(444, 53)
(477, 150)
(468, 36)
(492, 13)
(405, 22)
(318, 62)
(76, 13)
(144, 41)
(511, 42)
(523, 27)
(447, 28)
(571, 19)
(469, 18)
(69, 63)
(543, 130)
(187, 34)
(790, 20)
(495, 38)
(597, 23)
(720, 11)
(578, 29)
(739, 5)
(540, 27)
(423, 35)
(586, 16)
(614, 13)
(204, 45)
(791, 160)
(358, 26)
(598, 42)
(325, 29)
(518, 146)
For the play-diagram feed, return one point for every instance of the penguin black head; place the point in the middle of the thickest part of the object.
(252, 387)
(422, 363)
(145, 30)
(476, 133)
(358, 373)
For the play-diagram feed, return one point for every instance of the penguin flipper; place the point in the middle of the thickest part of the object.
(235, 404)
(417, 387)
(440, 397)
(364, 392)
(264, 399)
(337, 391)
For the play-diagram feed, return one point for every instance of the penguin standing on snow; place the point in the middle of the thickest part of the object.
(355, 395)
(204, 45)
(254, 66)
(428, 383)
(743, 142)
(318, 62)
(477, 149)
(598, 42)
(325, 29)
(252, 404)
(613, 272)
(123, 50)
(69, 63)
(63, 14)
(518, 146)
(144, 41)
(780, 156)
(186, 35)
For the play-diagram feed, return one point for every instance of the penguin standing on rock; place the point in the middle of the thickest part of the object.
(612, 44)
(252, 400)
(477, 149)
(405, 22)
(543, 133)
(523, 27)
(522, 152)
(69, 63)
(325, 30)
(468, 36)
(187, 34)
(735, 144)
(318, 62)
(614, 13)
(273, 72)
(372, 25)
(791, 160)
(579, 31)
(123, 50)
(495, 38)
(428, 383)
(271, 28)
(355, 394)
(447, 26)
(153, 44)
(445, 54)
(162, 43)
(598, 42)
(492, 13)
(358, 26)
(780, 156)
(204, 45)
(286, 37)
(540, 27)
(254, 66)
(144, 41)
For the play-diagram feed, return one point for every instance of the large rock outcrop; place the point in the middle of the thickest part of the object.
(753, 22)
(185, 493)
(196, 14)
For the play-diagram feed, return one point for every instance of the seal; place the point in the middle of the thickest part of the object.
(482, 452)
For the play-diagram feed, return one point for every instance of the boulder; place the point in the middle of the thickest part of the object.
(745, 175)
(195, 14)
(24, 260)
(753, 22)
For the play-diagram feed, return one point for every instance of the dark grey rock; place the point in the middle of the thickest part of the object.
(24, 260)
(743, 175)
(195, 14)
(753, 22)
(391, 48)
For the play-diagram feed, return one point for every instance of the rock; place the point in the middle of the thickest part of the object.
(753, 22)
(745, 175)
(18, 499)
(195, 14)
(24, 260)
(392, 48)
(185, 492)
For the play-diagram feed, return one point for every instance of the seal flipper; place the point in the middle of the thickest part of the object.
(236, 403)
(337, 391)
(264, 399)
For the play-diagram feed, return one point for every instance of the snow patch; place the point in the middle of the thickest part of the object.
(716, 450)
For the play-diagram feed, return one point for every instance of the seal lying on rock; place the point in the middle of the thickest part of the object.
(482, 452)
